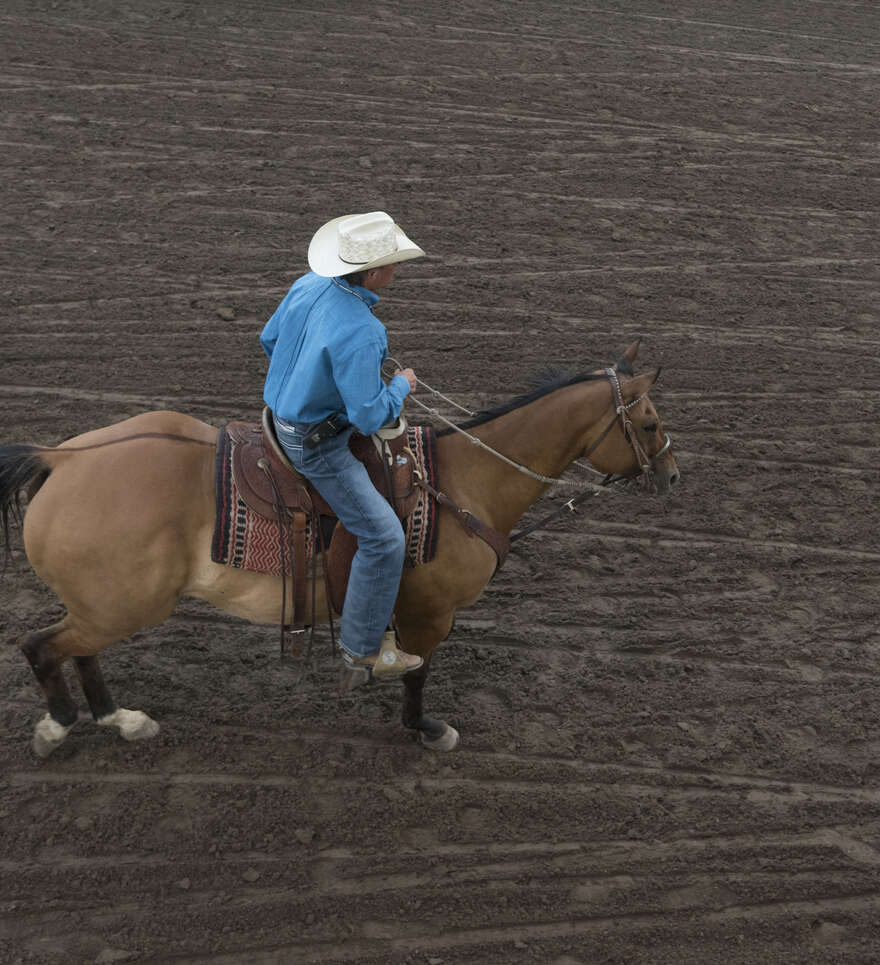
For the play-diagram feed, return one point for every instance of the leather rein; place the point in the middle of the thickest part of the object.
(647, 464)
(497, 540)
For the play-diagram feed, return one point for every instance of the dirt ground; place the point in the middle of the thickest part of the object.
(669, 709)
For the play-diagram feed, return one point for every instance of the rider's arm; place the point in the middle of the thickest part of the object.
(269, 335)
(369, 402)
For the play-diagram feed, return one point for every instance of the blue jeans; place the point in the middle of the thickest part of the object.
(378, 563)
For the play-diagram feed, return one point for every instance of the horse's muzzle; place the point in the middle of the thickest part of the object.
(666, 479)
(664, 472)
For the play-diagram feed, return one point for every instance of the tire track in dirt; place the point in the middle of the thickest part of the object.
(499, 940)
(626, 853)
(715, 24)
(682, 786)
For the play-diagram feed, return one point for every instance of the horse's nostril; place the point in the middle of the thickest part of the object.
(673, 479)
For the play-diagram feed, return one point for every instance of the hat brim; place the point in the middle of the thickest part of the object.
(324, 258)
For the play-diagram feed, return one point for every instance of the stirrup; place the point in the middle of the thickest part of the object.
(351, 678)
(388, 663)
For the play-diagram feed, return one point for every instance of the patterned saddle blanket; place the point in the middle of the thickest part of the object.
(246, 528)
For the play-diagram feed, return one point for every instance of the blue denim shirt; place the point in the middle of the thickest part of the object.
(326, 350)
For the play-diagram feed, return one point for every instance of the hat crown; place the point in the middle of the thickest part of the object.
(356, 242)
(366, 237)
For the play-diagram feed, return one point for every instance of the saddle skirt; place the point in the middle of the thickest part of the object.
(270, 519)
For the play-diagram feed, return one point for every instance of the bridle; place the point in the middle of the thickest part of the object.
(647, 464)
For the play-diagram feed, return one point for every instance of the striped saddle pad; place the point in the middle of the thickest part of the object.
(248, 541)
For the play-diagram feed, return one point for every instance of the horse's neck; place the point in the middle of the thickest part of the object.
(544, 436)
(549, 433)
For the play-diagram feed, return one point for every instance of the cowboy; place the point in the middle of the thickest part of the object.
(326, 349)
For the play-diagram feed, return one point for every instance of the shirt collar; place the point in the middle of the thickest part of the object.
(364, 294)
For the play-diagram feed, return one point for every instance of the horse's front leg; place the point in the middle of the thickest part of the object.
(435, 734)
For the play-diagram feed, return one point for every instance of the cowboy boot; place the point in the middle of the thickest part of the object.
(388, 663)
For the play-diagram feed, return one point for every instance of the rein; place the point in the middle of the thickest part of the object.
(571, 506)
(645, 462)
(549, 480)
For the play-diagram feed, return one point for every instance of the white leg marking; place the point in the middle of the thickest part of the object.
(48, 734)
(447, 742)
(134, 725)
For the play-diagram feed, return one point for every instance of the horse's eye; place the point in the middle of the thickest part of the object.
(650, 428)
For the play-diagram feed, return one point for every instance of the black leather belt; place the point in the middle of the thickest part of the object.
(327, 429)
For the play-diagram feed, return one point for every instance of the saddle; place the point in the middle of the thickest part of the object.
(269, 485)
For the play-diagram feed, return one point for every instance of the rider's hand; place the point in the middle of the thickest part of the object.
(410, 377)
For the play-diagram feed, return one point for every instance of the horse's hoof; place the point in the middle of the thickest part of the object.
(447, 741)
(138, 726)
(48, 735)
(134, 725)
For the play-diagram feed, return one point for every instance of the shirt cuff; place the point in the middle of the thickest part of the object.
(401, 387)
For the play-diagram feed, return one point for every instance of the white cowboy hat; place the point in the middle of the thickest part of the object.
(356, 242)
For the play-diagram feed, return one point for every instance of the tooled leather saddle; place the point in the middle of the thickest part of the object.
(271, 487)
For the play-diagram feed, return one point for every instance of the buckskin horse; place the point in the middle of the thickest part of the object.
(119, 524)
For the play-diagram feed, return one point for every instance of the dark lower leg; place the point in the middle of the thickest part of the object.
(414, 685)
(434, 732)
(46, 665)
(100, 702)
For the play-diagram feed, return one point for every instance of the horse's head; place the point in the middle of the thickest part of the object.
(632, 442)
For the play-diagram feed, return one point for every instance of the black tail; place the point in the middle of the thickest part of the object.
(20, 466)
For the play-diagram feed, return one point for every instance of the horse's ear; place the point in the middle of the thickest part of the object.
(640, 385)
(630, 353)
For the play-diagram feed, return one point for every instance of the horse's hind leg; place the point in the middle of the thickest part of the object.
(45, 659)
(46, 651)
(101, 704)
(132, 724)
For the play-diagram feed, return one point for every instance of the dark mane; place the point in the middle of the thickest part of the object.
(543, 386)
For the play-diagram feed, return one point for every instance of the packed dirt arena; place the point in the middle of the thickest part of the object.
(669, 707)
